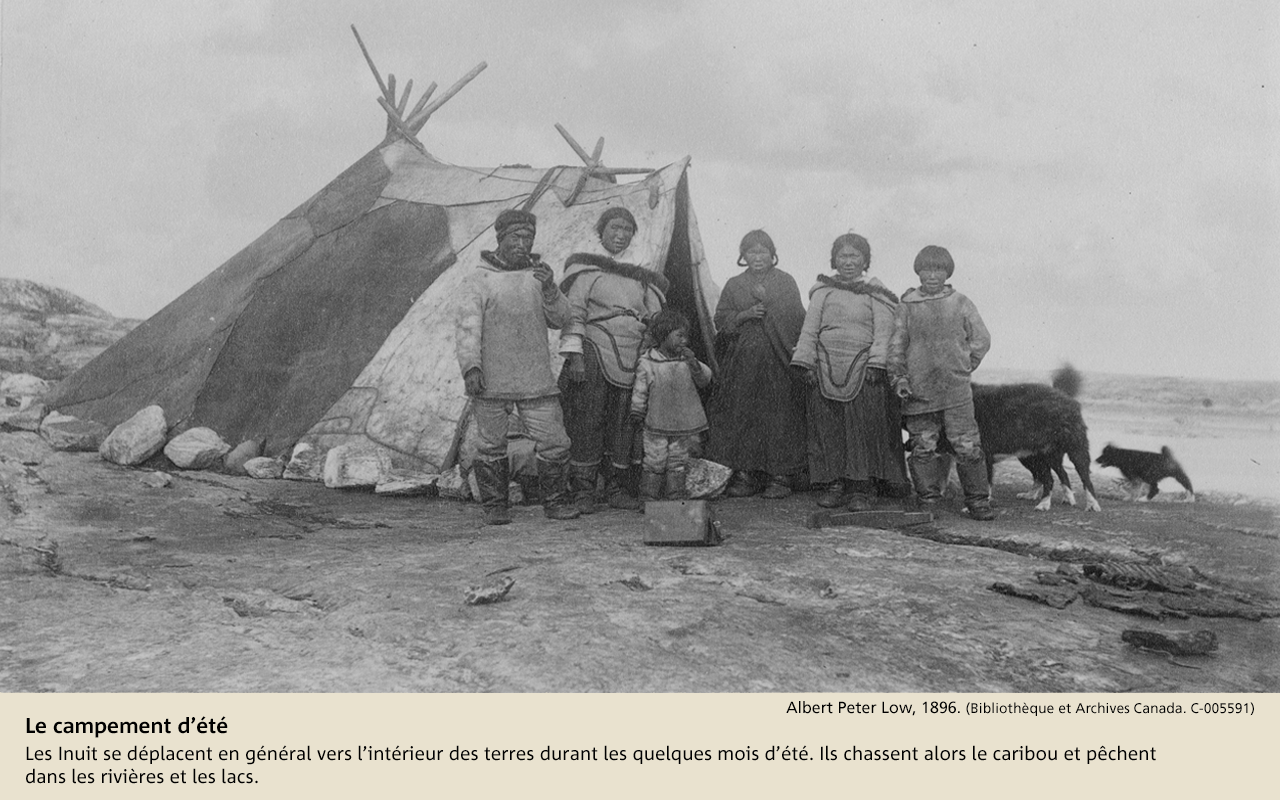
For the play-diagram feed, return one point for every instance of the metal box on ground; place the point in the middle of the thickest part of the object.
(680, 523)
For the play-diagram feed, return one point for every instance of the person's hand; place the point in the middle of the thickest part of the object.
(474, 380)
(804, 374)
(755, 312)
(544, 275)
(902, 388)
(575, 366)
(686, 354)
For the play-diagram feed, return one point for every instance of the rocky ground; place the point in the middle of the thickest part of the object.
(49, 332)
(221, 583)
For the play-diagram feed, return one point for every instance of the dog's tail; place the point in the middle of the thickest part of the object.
(1068, 380)
(1176, 472)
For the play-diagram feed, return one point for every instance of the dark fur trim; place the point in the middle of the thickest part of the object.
(491, 258)
(606, 264)
(857, 287)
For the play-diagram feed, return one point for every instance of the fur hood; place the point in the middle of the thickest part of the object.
(591, 262)
(871, 286)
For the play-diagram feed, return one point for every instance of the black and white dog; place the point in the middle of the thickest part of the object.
(1142, 469)
(1038, 425)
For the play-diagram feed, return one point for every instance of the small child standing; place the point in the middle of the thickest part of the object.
(938, 341)
(665, 400)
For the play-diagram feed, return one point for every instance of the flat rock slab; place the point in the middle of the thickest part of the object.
(407, 485)
(1179, 643)
(884, 520)
(68, 433)
(264, 468)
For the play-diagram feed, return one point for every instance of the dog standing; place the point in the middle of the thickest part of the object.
(1140, 467)
(1038, 425)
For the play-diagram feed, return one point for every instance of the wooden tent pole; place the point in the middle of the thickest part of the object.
(394, 121)
(422, 101)
(368, 59)
(391, 96)
(577, 148)
(404, 99)
(416, 122)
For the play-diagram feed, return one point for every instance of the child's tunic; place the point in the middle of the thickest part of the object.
(938, 340)
(666, 391)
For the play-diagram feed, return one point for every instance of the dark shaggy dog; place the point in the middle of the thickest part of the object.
(1038, 425)
(1140, 467)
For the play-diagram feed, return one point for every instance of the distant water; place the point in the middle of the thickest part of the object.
(1226, 434)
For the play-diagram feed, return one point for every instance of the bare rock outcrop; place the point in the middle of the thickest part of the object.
(50, 332)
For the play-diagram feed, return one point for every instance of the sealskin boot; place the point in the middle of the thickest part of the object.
(555, 495)
(582, 485)
(977, 489)
(835, 495)
(651, 485)
(778, 488)
(676, 488)
(620, 489)
(859, 501)
(861, 496)
(491, 477)
(741, 485)
(928, 483)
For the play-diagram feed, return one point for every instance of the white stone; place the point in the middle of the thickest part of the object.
(352, 466)
(706, 479)
(68, 433)
(197, 448)
(136, 439)
(263, 467)
(305, 464)
(23, 385)
(405, 485)
(157, 480)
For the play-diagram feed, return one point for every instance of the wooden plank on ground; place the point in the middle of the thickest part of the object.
(887, 520)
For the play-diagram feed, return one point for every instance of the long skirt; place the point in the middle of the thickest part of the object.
(859, 440)
(756, 413)
(597, 417)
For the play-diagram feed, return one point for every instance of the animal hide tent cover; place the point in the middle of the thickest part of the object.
(336, 326)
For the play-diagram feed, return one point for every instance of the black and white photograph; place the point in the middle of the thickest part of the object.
(648, 347)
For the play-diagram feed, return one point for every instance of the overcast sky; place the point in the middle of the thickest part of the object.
(1107, 175)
